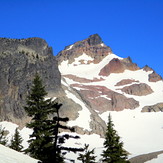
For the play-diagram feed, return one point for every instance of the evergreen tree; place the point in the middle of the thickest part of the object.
(60, 139)
(38, 108)
(16, 141)
(88, 156)
(45, 142)
(3, 139)
(113, 152)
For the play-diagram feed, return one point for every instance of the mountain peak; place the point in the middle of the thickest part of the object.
(94, 39)
(92, 46)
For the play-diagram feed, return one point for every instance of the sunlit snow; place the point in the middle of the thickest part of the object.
(70, 47)
(8, 155)
(84, 115)
(89, 71)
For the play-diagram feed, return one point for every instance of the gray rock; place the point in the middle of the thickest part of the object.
(20, 60)
(153, 108)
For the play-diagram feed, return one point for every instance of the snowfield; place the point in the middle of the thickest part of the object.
(141, 132)
(8, 155)
(89, 71)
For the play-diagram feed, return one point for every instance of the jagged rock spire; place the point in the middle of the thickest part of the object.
(92, 46)
(94, 39)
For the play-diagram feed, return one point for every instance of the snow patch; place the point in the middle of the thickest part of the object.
(70, 47)
(84, 115)
(103, 45)
(105, 96)
(88, 71)
(8, 155)
(84, 57)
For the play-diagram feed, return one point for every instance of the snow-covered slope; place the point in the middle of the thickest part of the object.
(8, 155)
(117, 86)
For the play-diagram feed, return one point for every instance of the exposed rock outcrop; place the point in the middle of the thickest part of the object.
(141, 89)
(20, 59)
(125, 82)
(118, 66)
(145, 157)
(114, 66)
(102, 99)
(147, 68)
(154, 77)
(153, 108)
(82, 80)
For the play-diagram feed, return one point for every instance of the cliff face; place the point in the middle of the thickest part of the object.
(20, 60)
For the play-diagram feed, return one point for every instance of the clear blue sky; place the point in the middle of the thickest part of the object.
(130, 27)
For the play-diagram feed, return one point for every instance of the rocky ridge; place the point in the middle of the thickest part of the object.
(20, 60)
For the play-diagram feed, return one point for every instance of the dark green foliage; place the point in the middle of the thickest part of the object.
(88, 156)
(41, 140)
(45, 143)
(16, 141)
(3, 139)
(114, 152)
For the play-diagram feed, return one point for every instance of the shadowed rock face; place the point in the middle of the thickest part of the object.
(20, 59)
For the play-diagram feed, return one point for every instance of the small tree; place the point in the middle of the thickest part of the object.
(16, 141)
(88, 156)
(3, 139)
(113, 152)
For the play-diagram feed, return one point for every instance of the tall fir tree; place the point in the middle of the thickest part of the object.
(16, 141)
(87, 156)
(45, 142)
(113, 147)
(39, 108)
